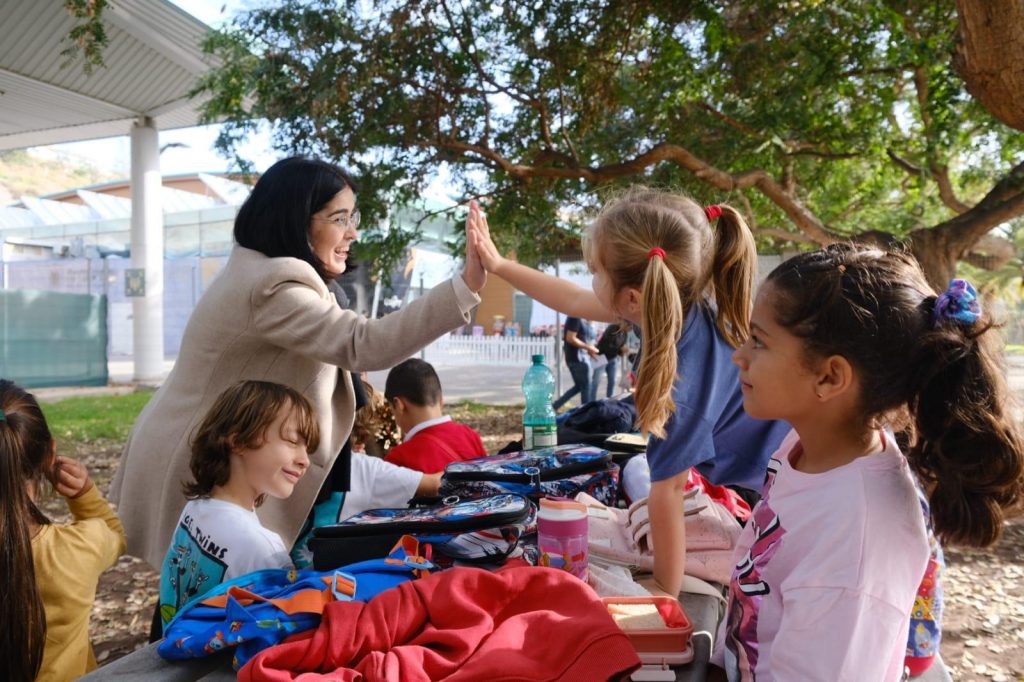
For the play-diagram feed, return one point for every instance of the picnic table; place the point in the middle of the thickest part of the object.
(145, 665)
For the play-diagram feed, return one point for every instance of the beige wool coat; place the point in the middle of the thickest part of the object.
(271, 319)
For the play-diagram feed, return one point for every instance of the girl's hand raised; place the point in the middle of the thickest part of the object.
(70, 478)
(480, 238)
(474, 274)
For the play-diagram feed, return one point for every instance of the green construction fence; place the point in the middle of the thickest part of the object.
(53, 339)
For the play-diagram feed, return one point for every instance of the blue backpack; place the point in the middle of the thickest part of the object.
(260, 609)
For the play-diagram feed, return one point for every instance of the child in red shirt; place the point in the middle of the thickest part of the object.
(431, 440)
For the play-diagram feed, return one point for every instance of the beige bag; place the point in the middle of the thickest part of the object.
(622, 536)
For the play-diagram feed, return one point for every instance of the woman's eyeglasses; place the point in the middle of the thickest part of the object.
(351, 221)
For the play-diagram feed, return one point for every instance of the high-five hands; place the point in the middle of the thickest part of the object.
(474, 274)
(479, 236)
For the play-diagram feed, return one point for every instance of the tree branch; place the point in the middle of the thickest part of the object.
(910, 168)
(471, 52)
(802, 217)
(469, 47)
(792, 146)
(561, 122)
(938, 173)
(732, 122)
(923, 92)
(991, 252)
(941, 175)
(788, 175)
(749, 210)
(1003, 202)
(806, 150)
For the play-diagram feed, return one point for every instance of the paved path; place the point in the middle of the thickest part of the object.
(492, 384)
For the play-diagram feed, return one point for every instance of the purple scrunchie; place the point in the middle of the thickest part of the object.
(959, 303)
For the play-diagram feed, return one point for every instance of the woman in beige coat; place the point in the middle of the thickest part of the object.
(270, 315)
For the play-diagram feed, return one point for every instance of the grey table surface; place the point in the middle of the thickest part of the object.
(145, 665)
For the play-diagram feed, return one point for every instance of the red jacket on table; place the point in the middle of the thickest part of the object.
(461, 625)
(430, 449)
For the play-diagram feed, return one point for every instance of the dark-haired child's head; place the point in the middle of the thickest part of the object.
(857, 330)
(856, 315)
(25, 439)
(256, 436)
(413, 390)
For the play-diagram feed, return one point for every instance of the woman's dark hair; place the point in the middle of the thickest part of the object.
(274, 219)
(876, 309)
(25, 448)
(239, 418)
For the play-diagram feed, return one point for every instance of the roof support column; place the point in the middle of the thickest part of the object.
(147, 248)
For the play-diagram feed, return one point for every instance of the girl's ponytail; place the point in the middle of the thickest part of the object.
(968, 446)
(732, 274)
(24, 448)
(663, 245)
(661, 326)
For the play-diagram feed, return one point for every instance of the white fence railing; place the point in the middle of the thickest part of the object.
(489, 350)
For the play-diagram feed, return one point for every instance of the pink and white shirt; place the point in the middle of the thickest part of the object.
(826, 572)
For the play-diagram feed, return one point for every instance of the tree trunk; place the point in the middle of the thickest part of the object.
(990, 56)
(937, 256)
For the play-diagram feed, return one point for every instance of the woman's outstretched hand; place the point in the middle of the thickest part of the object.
(479, 235)
(474, 274)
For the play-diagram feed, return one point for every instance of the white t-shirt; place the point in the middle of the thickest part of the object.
(376, 484)
(214, 542)
(826, 573)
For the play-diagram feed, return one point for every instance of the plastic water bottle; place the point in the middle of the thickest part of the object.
(562, 536)
(539, 430)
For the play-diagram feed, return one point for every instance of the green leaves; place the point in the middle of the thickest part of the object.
(89, 36)
(538, 107)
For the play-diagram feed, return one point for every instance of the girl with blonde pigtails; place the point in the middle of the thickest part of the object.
(683, 275)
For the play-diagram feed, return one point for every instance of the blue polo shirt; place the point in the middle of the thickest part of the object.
(710, 429)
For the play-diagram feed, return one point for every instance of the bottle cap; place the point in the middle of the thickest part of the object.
(562, 508)
(538, 359)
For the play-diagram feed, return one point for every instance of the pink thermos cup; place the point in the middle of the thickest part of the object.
(562, 535)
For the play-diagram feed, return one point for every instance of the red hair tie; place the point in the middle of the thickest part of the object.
(656, 251)
(713, 212)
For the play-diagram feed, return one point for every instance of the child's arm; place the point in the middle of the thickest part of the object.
(429, 485)
(71, 479)
(553, 292)
(573, 339)
(668, 532)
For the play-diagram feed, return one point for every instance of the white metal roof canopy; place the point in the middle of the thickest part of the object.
(150, 65)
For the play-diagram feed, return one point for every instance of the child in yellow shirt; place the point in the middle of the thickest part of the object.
(49, 571)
